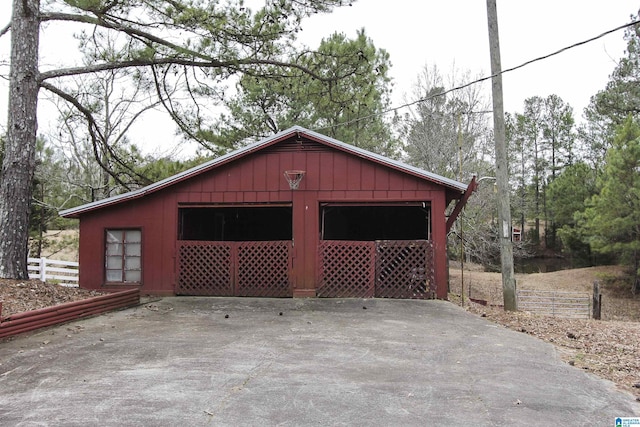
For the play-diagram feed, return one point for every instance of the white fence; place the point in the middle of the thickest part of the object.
(64, 273)
(555, 303)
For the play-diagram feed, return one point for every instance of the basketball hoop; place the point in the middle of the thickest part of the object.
(294, 177)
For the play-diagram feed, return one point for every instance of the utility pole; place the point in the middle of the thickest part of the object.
(502, 173)
(461, 212)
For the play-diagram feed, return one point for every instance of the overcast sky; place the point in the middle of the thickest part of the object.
(453, 34)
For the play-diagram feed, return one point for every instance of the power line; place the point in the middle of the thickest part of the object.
(482, 79)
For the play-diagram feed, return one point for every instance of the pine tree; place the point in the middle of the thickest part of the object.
(612, 218)
(197, 45)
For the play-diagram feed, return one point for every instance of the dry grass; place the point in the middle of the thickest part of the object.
(61, 245)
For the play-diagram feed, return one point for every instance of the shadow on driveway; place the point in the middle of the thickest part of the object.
(295, 362)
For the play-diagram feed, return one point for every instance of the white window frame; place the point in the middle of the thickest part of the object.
(123, 255)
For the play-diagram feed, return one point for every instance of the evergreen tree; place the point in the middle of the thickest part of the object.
(568, 194)
(520, 170)
(349, 109)
(558, 134)
(612, 218)
(542, 143)
(611, 106)
(196, 45)
(621, 97)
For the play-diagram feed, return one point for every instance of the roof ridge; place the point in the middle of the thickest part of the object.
(256, 146)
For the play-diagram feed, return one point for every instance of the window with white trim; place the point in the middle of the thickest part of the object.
(123, 256)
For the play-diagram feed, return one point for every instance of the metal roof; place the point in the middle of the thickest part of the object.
(251, 148)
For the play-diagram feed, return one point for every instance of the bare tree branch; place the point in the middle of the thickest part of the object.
(5, 30)
(169, 108)
(130, 123)
(95, 134)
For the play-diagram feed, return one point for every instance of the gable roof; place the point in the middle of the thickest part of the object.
(451, 184)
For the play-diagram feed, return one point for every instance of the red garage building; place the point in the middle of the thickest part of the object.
(357, 225)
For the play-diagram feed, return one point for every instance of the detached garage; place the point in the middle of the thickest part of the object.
(297, 214)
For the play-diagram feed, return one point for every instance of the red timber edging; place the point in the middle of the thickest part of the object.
(31, 320)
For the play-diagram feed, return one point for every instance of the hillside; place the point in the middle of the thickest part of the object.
(617, 301)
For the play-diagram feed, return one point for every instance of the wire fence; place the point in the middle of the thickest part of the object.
(575, 305)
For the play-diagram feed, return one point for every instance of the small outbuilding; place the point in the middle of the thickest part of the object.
(297, 214)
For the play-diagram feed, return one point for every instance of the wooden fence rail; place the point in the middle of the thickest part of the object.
(555, 303)
(64, 273)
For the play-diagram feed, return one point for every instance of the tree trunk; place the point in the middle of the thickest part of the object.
(635, 286)
(19, 158)
(536, 185)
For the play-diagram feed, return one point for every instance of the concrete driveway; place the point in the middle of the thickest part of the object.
(239, 362)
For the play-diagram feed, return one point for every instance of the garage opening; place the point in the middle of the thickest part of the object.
(381, 251)
(235, 224)
(375, 222)
(235, 250)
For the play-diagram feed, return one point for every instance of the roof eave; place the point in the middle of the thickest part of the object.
(174, 179)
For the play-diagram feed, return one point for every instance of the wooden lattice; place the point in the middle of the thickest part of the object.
(404, 269)
(234, 269)
(205, 268)
(263, 269)
(346, 269)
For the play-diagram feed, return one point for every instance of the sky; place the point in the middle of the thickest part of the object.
(454, 35)
(451, 35)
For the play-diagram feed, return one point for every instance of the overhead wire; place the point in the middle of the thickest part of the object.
(482, 79)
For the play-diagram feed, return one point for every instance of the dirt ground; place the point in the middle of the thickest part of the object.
(17, 296)
(609, 348)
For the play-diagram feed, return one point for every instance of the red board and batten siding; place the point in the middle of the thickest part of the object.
(331, 176)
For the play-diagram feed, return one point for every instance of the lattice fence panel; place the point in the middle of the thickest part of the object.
(347, 269)
(404, 269)
(263, 269)
(204, 268)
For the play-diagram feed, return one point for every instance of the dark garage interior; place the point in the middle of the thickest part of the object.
(375, 222)
(235, 224)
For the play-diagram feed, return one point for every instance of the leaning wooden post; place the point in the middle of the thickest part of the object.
(597, 300)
